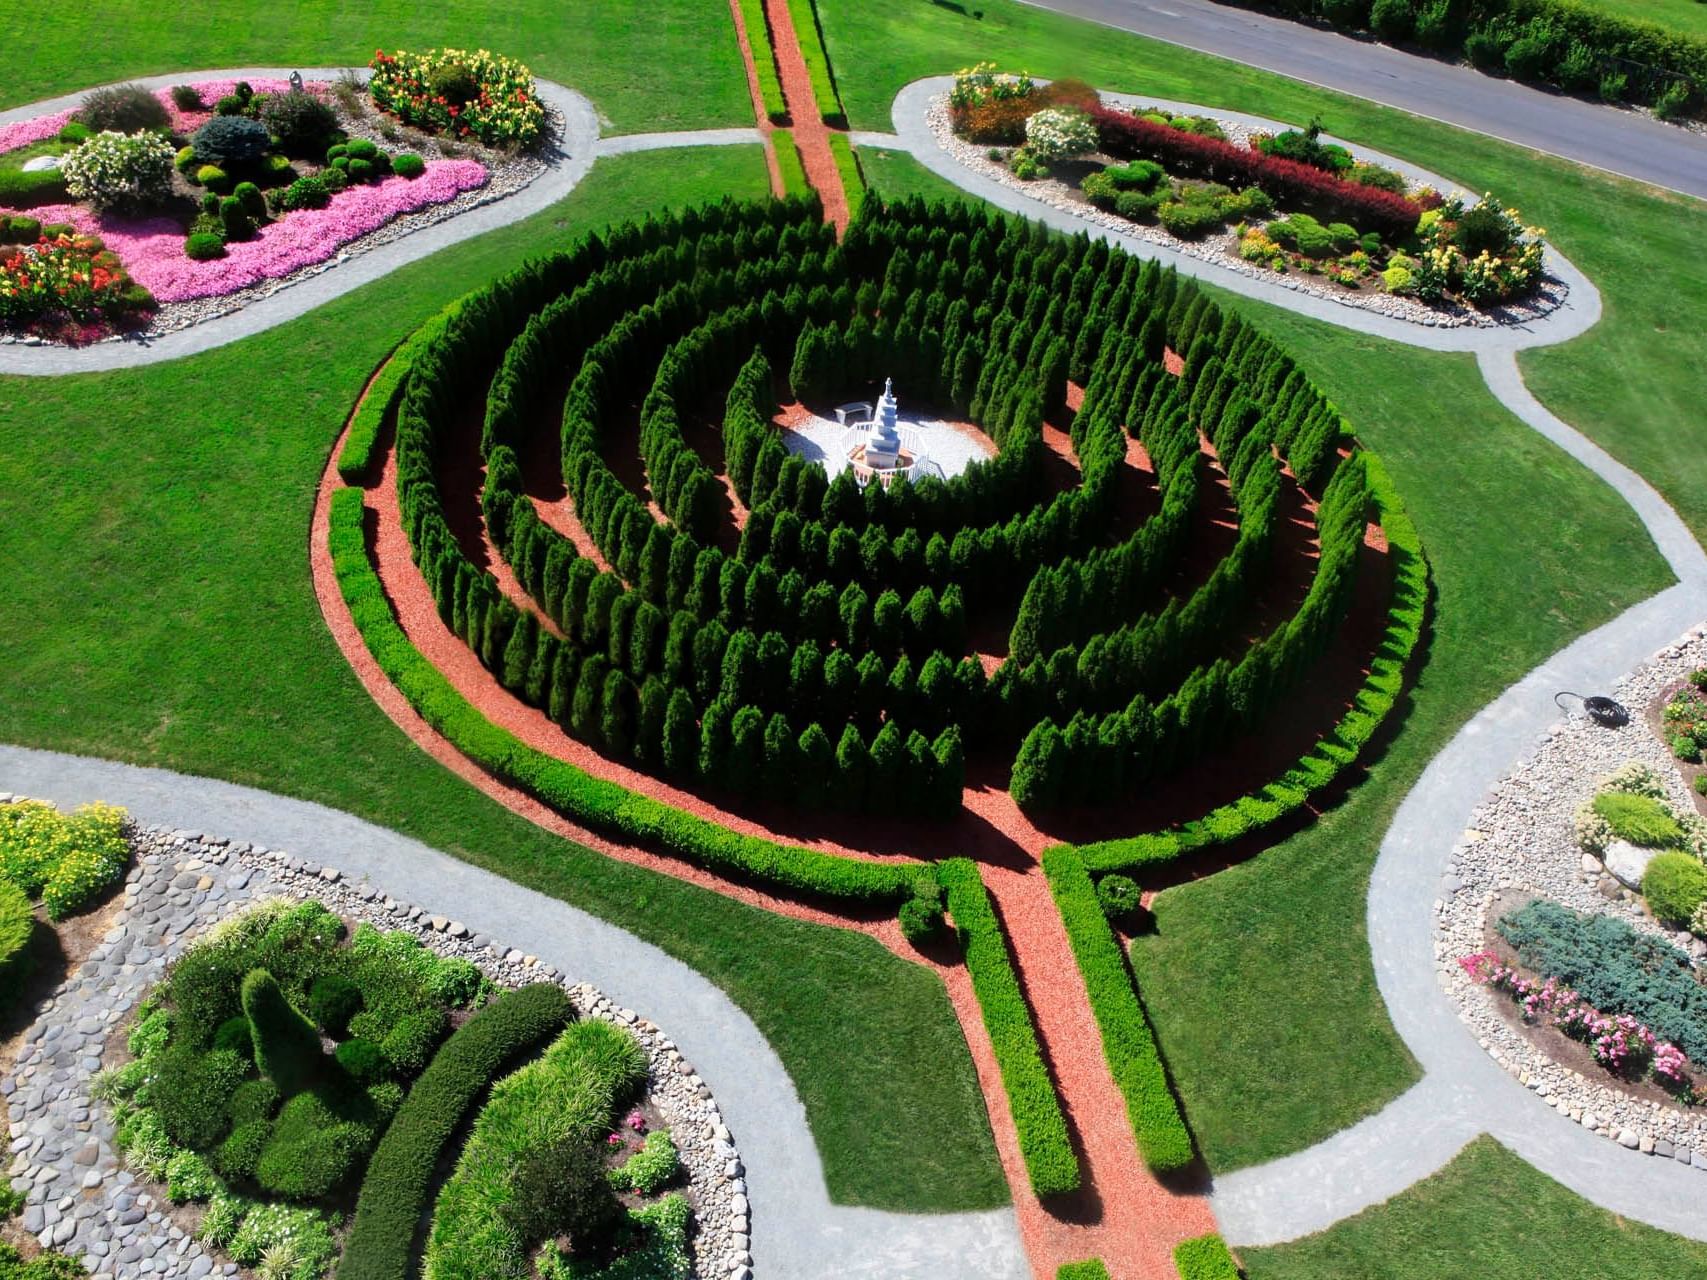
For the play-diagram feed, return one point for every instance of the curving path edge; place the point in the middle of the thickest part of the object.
(567, 164)
(797, 1231)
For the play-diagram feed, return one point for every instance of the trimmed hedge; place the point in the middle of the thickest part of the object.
(399, 1177)
(1089, 1269)
(1290, 182)
(603, 806)
(1338, 749)
(789, 165)
(356, 459)
(20, 190)
(1205, 1258)
(847, 165)
(1127, 1040)
(764, 60)
(1050, 1161)
(811, 38)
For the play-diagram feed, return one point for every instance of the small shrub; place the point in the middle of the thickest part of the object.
(650, 1169)
(307, 192)
(1674, 885)
(1614, 86)
(1685, 748)
(230, 105)
(204, 246)
(253, 1100)
(74, 132)
(213, 178)
(361, 149)
(228, 140)
(122, 108)
(300, 121)
(410, 1044)
(335, 179)
(234, 220)
(1189, 220)
(21, 229)
(1205, 1258)
(1640, 819)
(1484, 50)
(408, 165)
(186, 97)
(332, 1002)
(361, 170)
(562, 1188)
(188, 1177)
(1118, 895)
(234, 1036)
(1060, 133)
(1393, 20)
(17, 926)
(119, 171)
(249, 196)
(363, 1060)
(185, 162)
(921, 920)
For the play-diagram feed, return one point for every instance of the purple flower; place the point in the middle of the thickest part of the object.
(24, 132)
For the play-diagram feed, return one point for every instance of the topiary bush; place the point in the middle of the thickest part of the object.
(204, 246)
(307, 192)
(921, 920)
(1674, 885)
(122, 108)
(287, 1047)
(1118, 895)
(408, 165)
(213, 178)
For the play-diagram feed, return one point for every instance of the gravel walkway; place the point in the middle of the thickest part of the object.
(1578, 311)
(796, 1231)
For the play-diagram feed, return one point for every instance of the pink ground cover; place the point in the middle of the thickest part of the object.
(152, 249)
(24, 132)
(187, 122)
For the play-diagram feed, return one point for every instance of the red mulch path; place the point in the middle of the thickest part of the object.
(811, 134)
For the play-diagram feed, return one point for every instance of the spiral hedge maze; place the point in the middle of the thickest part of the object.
(822, 657)
(717, 613)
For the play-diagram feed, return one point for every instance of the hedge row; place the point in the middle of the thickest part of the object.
(1050, 1161)
(399, 1178)
(356, 459)
(1572, 45)
(602, 806)
(1338, 749)
(1291, 183)
(20, 190)
(764, 60)
(789, 165)
(1128, 1043)
(853, 177)
(810, 35)
(1205, 1258)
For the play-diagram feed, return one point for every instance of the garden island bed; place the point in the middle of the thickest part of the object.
(1253, 196)
(1527, 898)
(157, 209)
(70, 1117)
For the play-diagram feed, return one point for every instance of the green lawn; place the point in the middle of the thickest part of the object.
(160, 611)
(1686, 16)
(664, 64)
(1487, 1215)
(1258, 978)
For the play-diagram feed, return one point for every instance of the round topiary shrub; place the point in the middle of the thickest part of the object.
(361, 149)
(335, 180)
(307, 192)
(363, 1060)
(185, 162)
(213, 178)
(119, 171)
(186, 97)
(361, 170)
(299, 120)
(75, 133)
(235, 220)
(229, 140)
(235, 1036)
(921, 920)
(1118, 895)
(1674, 885)
(408, 165)
(230, 105)
(249, 196)
(122, 108)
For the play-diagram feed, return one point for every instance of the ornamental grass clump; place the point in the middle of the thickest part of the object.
(120, 171)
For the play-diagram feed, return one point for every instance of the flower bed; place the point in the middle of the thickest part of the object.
(1621, 1043)
(246, 184)
(1286, 202)
(453, 91)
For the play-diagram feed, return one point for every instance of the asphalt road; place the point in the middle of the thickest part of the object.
(1620, 142)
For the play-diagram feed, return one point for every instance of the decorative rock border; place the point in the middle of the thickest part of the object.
(1522, 838)
(79, 1196)
(1221, 249)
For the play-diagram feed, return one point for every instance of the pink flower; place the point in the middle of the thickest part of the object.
(23, 132)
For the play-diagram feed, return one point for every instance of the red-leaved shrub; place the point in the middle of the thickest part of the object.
(1293, 185)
